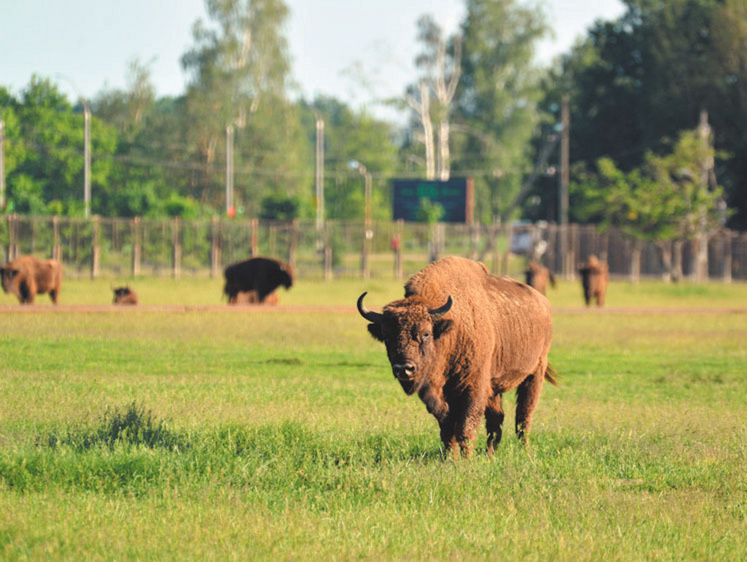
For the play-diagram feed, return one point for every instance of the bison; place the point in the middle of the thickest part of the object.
(594, 277)
(461, 338)
(537, 276)
(27, 276)
(259, 275)
(125, 295)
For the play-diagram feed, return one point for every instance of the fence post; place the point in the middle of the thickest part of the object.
(56, 248)
(398, 250)
(364, 253)
(215, 249)
(635, 261)
(253, 252)
(292, 243)
(96, 248)
(11, 250)
(136, 249)
(726, 258)
(177, 249)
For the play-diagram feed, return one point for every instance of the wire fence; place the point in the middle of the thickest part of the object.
(117, 247)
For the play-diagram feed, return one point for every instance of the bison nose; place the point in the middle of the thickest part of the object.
(403, 371)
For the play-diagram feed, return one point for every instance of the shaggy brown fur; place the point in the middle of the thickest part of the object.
(461, 338)
(27, 276)
(594, 278)
(258, 275)
(125, 295)
(250, 297)
(537, 276)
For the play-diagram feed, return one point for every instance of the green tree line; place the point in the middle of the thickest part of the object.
(480, 106)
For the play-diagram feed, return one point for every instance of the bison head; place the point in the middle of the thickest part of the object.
(410, 330)
(8, 274)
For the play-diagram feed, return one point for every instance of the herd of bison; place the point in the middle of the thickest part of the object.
(459, 339)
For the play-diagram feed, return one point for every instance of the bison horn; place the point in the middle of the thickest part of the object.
(438, 313)
(369, 315)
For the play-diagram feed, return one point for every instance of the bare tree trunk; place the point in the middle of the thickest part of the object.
(665, 249)
(677, 260)
(423, 109)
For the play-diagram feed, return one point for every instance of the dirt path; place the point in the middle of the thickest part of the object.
(244, 309)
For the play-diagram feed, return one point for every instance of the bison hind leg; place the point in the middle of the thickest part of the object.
(493, 422)
(527, 398)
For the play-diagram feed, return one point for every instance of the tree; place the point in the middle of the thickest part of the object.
(638, 80)
(664, 201)
(49, 177)
(497, 100)
(352, 136)
(440, 62)
(239, 70)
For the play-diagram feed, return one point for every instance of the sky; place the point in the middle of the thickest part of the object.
(86, 45)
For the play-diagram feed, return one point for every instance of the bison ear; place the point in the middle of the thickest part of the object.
(442, 327)
(375, 331)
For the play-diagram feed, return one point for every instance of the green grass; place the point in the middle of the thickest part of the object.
(280, 434)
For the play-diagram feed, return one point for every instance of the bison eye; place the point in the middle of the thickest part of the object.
(426, 336)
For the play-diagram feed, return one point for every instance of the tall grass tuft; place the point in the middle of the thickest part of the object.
(129, 426)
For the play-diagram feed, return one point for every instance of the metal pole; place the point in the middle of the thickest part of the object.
(2, 164)
(86, 158)
(564, 178)
(319, 173)
(229, 168)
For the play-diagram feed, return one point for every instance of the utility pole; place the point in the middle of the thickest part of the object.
(563, 188)
(86, 158)
(86, 148)
(319, 173)
(701, 264)
(2, 164)
(229, 171)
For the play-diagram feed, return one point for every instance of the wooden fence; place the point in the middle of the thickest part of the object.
(116, 247)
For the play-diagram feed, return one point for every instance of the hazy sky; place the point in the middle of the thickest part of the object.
(90, 42)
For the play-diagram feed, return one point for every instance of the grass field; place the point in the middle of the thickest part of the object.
(280, 434)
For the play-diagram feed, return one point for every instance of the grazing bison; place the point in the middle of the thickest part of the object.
(461, 338)
(259, 275)
(27, 276)
(124, 295)
(251, 298)
(537, 276)
(594, 277)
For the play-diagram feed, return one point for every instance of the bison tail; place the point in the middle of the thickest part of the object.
(551, 375)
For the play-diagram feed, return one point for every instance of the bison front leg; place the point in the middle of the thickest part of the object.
(494, 422)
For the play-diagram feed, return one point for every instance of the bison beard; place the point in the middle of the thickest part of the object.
(25, 277)
(461, 338)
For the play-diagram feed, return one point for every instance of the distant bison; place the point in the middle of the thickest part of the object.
(537, 276)
(461, 338)
(258, 275)
(594, 277)
(124, 295)
(252, 298)
(27, 276)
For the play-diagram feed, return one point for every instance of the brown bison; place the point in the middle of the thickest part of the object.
(594, 277)
(461, 338)
(537, 276)
(259, 275)
(124, 295)
(27, 276)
